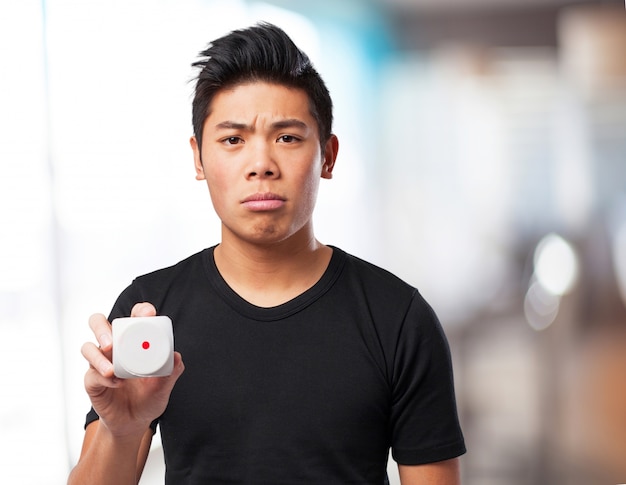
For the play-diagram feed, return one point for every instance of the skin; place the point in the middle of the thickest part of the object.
(445, 472)
(261, 141)
(262, 160)
(115, 448)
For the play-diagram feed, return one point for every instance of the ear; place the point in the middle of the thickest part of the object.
(330, 156)
(197, 158)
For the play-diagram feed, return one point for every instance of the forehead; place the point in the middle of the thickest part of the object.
(248, 101)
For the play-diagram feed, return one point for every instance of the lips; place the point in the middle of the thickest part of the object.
(263, 202)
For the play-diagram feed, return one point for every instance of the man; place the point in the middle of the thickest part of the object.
(303, 364)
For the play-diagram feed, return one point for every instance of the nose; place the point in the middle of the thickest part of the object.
(262, 164)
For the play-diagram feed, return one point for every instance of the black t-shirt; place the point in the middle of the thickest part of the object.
(315, 390)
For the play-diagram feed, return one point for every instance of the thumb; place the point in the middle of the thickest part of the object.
(144, 309)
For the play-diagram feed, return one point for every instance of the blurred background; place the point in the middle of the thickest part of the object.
(483, 159)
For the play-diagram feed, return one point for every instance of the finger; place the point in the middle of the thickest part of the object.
(167, 383)
(144, 309)
(95, 382)
(177, 370)
(179, 366)
(101, 328)
(97, 360)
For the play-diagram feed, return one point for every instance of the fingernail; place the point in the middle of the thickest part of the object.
(105, 368)
(105, 340)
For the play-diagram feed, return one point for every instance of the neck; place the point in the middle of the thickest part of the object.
(270, 274)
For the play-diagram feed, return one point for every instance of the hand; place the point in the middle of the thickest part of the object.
(125, 406)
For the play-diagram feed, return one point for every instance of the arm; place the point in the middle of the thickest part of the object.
(439, 473)
(115, 447)
(106, 459)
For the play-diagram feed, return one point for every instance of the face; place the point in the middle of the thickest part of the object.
(262, 160)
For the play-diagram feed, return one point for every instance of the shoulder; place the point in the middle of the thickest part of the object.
(388, 297)
(183, 269)
(375, 278)
(169, 283)
(385, 296)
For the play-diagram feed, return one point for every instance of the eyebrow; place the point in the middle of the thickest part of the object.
(277, 125)
(290, 123)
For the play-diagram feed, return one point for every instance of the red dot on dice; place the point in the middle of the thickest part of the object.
(145, 345)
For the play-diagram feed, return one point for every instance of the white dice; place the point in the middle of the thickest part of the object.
(143, 347)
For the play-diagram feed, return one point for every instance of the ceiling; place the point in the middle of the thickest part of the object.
(420, 5)
(424, 24)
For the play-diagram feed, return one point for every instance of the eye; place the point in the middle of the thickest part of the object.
(287, 139)
(232, 140)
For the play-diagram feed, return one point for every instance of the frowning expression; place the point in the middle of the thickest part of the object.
(262, 160)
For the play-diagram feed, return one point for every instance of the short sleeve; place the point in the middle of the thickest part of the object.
(424, 418)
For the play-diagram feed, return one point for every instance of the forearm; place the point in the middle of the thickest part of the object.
(110, 460)
(440, 473)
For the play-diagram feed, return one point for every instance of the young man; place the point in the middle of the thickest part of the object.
(303, 364)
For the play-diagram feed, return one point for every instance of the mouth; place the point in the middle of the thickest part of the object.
(265, 201)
